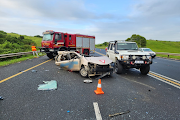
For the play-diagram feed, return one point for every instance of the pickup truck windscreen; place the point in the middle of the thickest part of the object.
(127, 46)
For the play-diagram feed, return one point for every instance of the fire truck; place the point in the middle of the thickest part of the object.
(53, 42)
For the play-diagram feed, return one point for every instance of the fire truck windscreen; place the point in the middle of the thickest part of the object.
(47, 37)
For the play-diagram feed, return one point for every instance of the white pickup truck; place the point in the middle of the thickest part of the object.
(126, 55)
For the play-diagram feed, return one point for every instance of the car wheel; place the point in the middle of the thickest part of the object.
(83, 72)
(145, 70)
(118, 68)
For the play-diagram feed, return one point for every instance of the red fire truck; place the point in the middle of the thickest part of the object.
(58, 41)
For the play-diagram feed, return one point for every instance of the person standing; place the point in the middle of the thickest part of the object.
(34, 50)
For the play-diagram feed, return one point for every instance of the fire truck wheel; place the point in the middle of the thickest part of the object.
(50, 55)
(86, 52)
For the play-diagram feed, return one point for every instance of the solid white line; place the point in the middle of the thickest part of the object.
(97, 111)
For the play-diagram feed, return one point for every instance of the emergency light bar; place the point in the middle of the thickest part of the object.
(48, 32)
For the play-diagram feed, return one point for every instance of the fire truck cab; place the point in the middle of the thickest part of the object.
(53, 42)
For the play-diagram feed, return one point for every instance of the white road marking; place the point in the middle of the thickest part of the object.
(97, 111)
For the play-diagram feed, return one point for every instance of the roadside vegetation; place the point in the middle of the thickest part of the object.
(14, 43)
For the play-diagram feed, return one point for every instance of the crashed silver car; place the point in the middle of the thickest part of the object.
(86, 65)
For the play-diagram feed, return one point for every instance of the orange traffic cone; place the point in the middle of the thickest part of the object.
(99, 90)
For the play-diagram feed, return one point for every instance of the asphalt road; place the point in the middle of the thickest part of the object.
(147, 97)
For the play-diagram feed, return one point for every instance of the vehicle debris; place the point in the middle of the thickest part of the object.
(102, 75)
(87, 81)
(48, 85)
(119, 113)
(34, 71)
(1, 98)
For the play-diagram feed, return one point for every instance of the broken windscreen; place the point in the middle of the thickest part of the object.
(47, 37)
(127, 46)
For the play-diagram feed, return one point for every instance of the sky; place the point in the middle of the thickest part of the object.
(107, 20)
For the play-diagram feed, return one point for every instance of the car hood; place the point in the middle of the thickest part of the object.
(102, 60)
(131, 52)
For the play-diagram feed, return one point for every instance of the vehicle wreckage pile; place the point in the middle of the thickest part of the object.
(85, 64)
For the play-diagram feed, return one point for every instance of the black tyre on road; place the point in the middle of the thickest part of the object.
(118, 68)
(145, 70)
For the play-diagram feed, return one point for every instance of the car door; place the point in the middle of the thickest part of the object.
(75, 62)
(111, 52)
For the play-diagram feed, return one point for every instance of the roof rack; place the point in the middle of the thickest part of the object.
(118, 41)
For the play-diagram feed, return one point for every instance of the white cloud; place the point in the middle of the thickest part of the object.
(155, 19)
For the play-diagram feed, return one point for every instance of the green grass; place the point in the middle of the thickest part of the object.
(163, 46)
(24, 57)
(16, 59)
(170, 56)
(36, 39)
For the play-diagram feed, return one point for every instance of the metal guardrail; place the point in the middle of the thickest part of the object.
(14, 54)
(164, 53)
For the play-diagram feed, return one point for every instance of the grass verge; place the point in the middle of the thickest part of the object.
(170, 56)
(18, 59)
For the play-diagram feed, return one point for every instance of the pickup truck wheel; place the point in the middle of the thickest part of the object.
(118, 67)
(83, 72)
(144, 70)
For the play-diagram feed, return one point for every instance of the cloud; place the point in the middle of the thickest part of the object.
(151, 19)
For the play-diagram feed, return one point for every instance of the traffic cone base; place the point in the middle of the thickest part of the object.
(99, 90)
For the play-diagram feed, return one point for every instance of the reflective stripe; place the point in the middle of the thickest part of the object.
(99, 85)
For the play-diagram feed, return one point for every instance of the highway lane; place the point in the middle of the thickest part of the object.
(145, 97)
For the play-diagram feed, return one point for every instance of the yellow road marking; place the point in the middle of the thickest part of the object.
(165, 79)
(23, 71)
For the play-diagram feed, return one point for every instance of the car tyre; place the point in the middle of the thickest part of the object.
(145, 70)
(118, 68)
(83, 72)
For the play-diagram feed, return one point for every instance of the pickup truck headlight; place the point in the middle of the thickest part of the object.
(124, 57)
(149, 57)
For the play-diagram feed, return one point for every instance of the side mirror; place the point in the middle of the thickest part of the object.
(55, 42)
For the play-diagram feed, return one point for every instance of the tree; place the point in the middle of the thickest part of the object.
(38, 36)
(140, 40)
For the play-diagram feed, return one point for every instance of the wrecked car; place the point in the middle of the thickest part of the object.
(86, 65)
